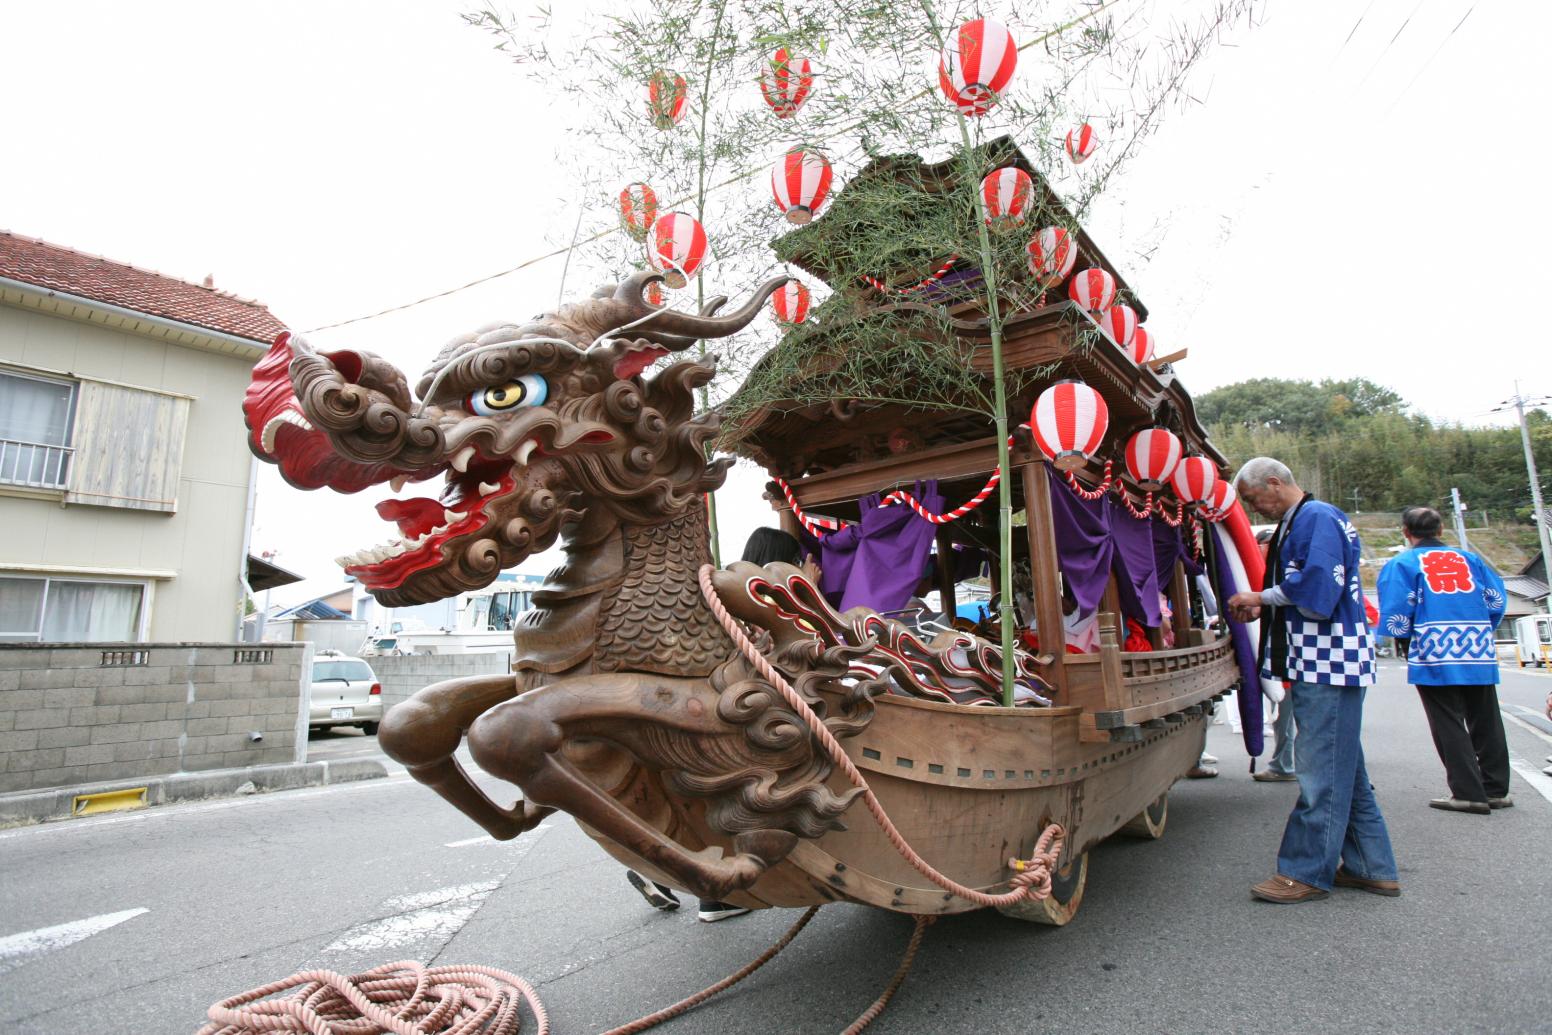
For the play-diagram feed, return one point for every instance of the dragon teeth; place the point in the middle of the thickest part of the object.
(489, 488)
(525, 450)
(452, 517)
(461, 459)
(397, 484)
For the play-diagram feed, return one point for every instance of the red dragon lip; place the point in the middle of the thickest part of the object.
(427, 525)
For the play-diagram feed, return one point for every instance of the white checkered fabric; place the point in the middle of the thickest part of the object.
(1334, 653)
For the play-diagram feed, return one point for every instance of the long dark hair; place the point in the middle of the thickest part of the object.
(768, 545)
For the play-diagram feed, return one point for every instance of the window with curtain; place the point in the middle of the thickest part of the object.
(36, 418)
(69, 610)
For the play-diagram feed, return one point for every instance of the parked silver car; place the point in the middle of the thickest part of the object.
(345, 692)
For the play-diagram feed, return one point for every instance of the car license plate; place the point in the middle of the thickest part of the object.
(341, 713)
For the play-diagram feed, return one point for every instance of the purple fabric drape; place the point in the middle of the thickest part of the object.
(1249, 696)
(1097, 537)
(878, 561)
(1168, 547)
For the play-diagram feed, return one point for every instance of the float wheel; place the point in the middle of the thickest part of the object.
(1066, 896)
(1149, 823)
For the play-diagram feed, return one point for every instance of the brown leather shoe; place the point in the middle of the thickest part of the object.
(1273, 776)
(1201, 772)
(1506, 802)
(1477, 808)
(1388, 888)
(1283, 890)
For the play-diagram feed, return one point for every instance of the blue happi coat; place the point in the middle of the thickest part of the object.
(1447, 601)
(1328, 640)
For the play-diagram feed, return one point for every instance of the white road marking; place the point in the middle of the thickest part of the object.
(429, 916)
(17, 949)
(1540, 782)
(483, 839)
(524, 842)
(1526, 726)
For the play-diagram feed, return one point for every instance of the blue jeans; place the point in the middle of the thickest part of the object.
(1282, 737)
(1336, 818)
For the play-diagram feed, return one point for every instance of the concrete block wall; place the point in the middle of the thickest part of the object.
(77, 713)
(403, 675)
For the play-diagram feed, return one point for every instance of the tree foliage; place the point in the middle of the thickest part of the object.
(1355, 443)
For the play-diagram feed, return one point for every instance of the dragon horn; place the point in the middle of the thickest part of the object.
(678, 331)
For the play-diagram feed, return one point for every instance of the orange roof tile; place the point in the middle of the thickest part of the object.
(57, 268)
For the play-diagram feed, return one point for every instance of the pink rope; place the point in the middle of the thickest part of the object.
(1032, 876)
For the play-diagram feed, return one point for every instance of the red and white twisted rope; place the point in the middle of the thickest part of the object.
(885, 289)
(1097, 491)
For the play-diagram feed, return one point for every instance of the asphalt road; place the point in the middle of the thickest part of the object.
(135, 923)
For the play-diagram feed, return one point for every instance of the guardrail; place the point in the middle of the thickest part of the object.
(34, 464)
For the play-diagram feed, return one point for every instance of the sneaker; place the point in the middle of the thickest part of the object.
(1273, 776)
(1201, 772)
(1479, 808)
(657, 896)
(1213, 759)
(1506, 802)
(1388, 888)
(711, 912)
(1285, 890)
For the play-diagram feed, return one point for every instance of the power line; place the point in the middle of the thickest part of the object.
(1386, 50)
(736, 178)
(1424, 68)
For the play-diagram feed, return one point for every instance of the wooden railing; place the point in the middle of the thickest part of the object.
(34, 464)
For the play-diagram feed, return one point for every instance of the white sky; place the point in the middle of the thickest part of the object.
(1369, 209)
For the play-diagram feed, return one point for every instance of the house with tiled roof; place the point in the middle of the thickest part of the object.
(126, 484)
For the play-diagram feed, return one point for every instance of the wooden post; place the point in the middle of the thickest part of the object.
(1044, 566)
(946, 597)
(1110, 608)
(1180, 600)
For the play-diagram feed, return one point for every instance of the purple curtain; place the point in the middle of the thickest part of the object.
(1097, 537)
(877, 562)
(1136, 569)
(1249, 696)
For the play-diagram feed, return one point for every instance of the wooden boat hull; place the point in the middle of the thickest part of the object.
(968, 787)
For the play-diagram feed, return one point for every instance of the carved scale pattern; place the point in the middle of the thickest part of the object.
(657, 621)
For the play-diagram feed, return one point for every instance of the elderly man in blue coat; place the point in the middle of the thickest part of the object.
(1444, 602)
(1316, 638)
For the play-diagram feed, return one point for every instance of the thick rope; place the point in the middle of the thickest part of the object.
(684, 1005)
(1032, 876)
(402, 998)
(869, 1015)
(885, 289)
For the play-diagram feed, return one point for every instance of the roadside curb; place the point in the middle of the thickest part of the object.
(55, 803)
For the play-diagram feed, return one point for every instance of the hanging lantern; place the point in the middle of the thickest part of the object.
(786, 83)
(668, 98)
(977, 65)
(638, 209)
(676, 246)
(800, 183)
(791, 303)
(1069, 420)
(1120, 322)
(1151, 456)
(1222, 500)
(1093, 289)
(1007, 195)
(1141, 349)
(1194, 479)
(1052, 255)
(1081, 143)
(654, 294)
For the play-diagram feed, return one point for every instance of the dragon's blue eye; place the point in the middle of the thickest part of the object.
(528, 390)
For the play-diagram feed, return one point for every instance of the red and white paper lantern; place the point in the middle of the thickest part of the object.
(1007, 195)
(1120, 322)
(1194, 479)
(1094, 289)
(1069, 421)
(790, 303)
(786, 83)
(1052, 255)
(799, 183)
(1141, 349)
(976, 65)
(1221, 501)
(676, 246)
(654, 294)
(638, 209)
(668, 98)
(1081, 143)
(1151, 456)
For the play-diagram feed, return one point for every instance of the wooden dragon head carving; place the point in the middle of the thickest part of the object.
(529, 427)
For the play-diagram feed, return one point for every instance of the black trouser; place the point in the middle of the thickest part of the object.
(1468, 732)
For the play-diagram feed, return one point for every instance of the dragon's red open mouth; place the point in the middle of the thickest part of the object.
(426, 525)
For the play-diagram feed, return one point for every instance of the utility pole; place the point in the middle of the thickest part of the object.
(1539, 512)
(1356, 497)
(1460, 521)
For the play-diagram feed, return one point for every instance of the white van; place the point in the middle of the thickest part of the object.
(1533, 640)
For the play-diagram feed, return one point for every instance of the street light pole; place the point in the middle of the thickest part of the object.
(1539, 512)
(1460, 521)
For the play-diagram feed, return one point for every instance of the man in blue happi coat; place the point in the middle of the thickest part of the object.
(1444, 602)
(1315, 637)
